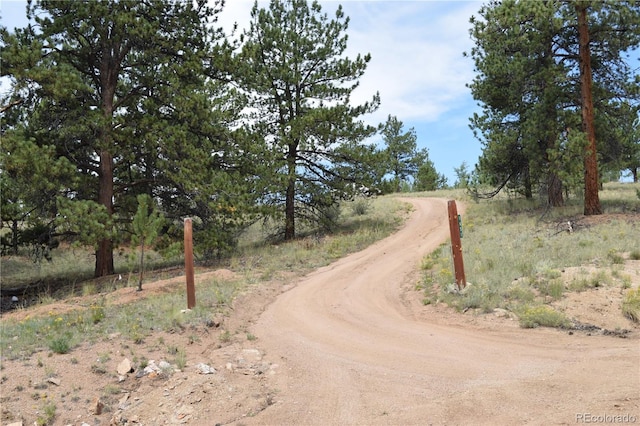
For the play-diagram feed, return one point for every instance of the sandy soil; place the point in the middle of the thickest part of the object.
(349, 344)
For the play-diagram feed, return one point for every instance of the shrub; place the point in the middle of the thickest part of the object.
(542, 316)
(181, 359)
(60, 345)
(360, 206)
(631, 305)
(615, 257)
(97, 313)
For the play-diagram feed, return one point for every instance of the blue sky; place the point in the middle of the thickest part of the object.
(417, 66)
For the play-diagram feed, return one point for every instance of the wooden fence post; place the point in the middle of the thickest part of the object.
(456, 245)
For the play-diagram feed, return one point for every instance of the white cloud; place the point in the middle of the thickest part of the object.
(416, 48)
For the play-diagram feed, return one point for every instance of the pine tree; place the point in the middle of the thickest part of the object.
(145, 227)
(403, 158)
(104, 81)
(534, 86)
(293, 67)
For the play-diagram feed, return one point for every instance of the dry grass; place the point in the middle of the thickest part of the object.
(254, 262)
(514, 251)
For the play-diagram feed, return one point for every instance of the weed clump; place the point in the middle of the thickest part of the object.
(542, 316)
(631, 305)
(60, 345)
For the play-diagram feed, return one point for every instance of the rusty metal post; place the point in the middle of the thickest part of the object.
(188, 263)
(456, 245)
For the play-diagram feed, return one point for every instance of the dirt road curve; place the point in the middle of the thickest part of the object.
(354, 352)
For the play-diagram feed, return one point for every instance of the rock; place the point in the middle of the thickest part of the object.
(252, 354)
(97, 407)
(205, 369)
(125, 367)
(151, 368)
(54, 381)
(499, 312)
(122, 401)
(182, 415)
(214, 322)
(164, 365)
(15, 424)
(503, 313)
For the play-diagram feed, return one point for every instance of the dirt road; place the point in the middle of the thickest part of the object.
(354, 351)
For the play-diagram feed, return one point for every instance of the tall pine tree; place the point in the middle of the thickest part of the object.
(533, 83)
(293, 67)
(120, 88)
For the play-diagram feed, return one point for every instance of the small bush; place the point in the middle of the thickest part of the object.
(634, 255)
(48, 415)
(181, 359)
(615, 257)
(360, 206)
(542, 316)
(60, 345)
(97, 313)
(553, 288)
(631, 305)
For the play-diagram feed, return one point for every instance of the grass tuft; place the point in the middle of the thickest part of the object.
(631, 305)
(541, 316)
(61, 344)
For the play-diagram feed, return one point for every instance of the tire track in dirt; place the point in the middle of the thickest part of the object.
(352, 352)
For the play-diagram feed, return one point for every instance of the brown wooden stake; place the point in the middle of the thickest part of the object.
(456, 245)
(188, 263)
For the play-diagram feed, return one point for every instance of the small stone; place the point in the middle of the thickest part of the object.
(164, 365)
(98, 406)
(253, 354)
(54, 381)
(124, 399)
(205, 369)
(124, 367)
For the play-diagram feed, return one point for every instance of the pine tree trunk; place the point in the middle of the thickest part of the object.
(554, 191)
(591, 196)
(528, 190)
(104, 254)
(141, 264)
(290, 197)
(108, 81)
